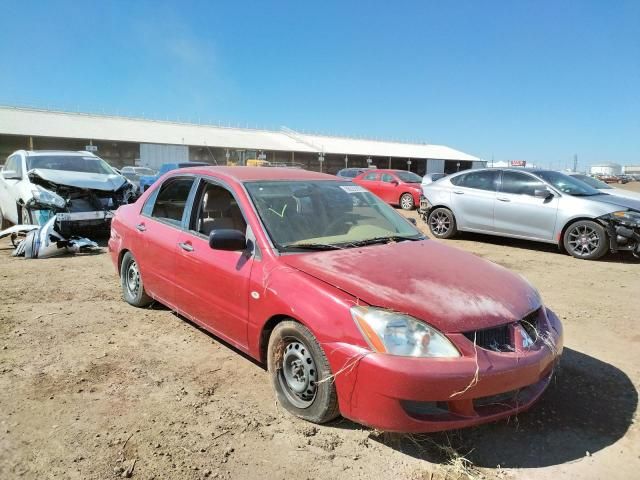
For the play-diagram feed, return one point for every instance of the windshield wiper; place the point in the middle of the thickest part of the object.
(311, 246)
(391, 238)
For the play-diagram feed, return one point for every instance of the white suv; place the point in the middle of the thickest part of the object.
(79, 188)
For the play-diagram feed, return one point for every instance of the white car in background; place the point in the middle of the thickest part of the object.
(79, 188)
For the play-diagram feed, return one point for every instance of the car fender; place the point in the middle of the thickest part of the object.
(279, 291)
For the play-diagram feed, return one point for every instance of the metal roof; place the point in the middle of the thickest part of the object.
(47, 123)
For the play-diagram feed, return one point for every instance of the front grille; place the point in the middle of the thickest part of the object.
(497, 339)
(531, 324)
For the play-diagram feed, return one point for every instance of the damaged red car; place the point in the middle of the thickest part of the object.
(351, 308)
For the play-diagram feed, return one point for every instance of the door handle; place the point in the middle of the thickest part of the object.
(458, 192)
(141, 227)
(187, 247)
(503, 199)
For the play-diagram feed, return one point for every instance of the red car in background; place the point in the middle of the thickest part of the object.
(396, 187)
(350, 307)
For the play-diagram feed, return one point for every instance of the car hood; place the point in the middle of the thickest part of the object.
(450, 289)
(93, 181)
(617, 200)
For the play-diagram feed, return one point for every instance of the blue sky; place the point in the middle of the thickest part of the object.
(533, 80)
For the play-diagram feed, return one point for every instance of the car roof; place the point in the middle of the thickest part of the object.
(66, 153)
(252, 174)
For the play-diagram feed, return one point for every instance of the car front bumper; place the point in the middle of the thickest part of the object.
(404, 394)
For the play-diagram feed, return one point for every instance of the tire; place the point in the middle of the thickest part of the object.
(407, 202)
(292, 354)
(25, 216)
(442, 223)
(132, 287)
(586, 240)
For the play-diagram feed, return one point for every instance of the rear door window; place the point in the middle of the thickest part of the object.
(372, 177)
(482, 180)
(387, 178)
(170, 204)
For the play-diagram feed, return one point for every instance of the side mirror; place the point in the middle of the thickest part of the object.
(394, 183)
(227, 239)
(11, 175)
(543, 193)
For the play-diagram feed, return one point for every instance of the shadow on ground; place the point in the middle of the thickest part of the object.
(619, 257)
(588, 407)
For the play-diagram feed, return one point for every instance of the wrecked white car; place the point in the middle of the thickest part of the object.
(79, 189)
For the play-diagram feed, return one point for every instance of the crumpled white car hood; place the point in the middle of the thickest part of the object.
(94, 181)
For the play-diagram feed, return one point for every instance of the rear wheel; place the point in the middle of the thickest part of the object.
(442, 223)
(131, 281)
(586, 240)
(406, 201)
(300, 373)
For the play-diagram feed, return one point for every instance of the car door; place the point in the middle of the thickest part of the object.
(12, 177)
(388, 188)
(370, 181)
(212, 286)
(519, 212)
(158, 228)
(473, 198)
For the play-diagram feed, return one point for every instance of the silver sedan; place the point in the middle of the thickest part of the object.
(541, 205)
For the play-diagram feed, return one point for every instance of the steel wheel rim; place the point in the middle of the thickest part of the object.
(133, 279)
(440, 223)
(298, 374)
(406, 202)
(583, 240)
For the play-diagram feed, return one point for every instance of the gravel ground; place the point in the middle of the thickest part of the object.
(93, 388)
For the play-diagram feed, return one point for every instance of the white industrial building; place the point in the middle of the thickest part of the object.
(134, 141)
(606, 169)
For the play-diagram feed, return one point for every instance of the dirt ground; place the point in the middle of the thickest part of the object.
(92, 388)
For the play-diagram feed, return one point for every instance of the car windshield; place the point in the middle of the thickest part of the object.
(322, 215)
(408, 177)
(349, 173)
(131, 176)
(71, 163)
(593, 182)
(567, 184)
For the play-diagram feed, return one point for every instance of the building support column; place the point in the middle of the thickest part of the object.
(30, 143)
(389, 163)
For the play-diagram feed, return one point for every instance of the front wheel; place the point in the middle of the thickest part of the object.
(406, 201)
(300, 373)
(442, 223)
(132, 287)
(586, 240)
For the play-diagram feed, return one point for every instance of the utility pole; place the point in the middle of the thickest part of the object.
(575, 162)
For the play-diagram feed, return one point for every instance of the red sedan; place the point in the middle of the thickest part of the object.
(396, 187)
(351, 308)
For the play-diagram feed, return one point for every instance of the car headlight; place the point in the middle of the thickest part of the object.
(398, 334)
(45, 197)
(628, 215)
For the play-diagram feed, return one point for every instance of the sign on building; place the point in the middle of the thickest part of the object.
(91, 148)
(518, 163)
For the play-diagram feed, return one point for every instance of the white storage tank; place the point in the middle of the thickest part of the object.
(606, 169)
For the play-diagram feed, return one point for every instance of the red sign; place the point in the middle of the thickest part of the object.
(518, 163)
